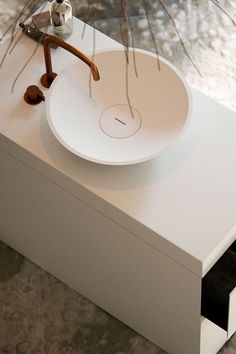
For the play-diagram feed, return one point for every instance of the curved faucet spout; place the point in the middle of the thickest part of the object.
(49, 76)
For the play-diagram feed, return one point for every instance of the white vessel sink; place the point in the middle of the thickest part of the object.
(103, 128)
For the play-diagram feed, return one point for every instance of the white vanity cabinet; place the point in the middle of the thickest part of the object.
(136, 240)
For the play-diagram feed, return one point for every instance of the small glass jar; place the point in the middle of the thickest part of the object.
(61, 17)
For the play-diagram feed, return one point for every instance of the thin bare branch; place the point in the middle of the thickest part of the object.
(16, 19)
(93, 55)
(151, 32)
(124, 29)
(127, 89)
(180, 37)
(23, 21)
(87, 18)
(25, 65)
(94, 49)
(132, 38)
(16, 42)
(125, 38)
(224, 11)
(25, 8)
(30, 58)
(6, 32)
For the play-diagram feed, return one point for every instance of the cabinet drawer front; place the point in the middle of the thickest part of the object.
(232, 313)
(219, 292)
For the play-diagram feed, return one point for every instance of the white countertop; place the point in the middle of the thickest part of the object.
(186, 198)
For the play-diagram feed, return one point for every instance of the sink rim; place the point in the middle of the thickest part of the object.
(138, 160)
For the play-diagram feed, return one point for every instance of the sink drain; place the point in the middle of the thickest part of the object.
(117, 121)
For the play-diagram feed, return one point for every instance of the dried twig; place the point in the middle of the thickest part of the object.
(180, 37)
(124, 29)
(216, 3)
(23, 21)
(25, 65)
(94, 50)
(127, 89)
(25, 8)
(30, 58)
(132, 38)
(6, 32)
(125, 38)
(87, 18)
(93, 55)
(16, 42)
(151, 32)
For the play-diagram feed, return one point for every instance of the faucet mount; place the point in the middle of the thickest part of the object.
(49, 76)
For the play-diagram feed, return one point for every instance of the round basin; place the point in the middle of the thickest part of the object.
(132, 114)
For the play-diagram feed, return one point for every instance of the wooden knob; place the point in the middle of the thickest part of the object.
(33, 95)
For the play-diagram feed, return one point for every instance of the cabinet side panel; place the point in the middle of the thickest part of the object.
(146, 290)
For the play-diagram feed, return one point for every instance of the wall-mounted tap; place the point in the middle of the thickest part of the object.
(49, 76)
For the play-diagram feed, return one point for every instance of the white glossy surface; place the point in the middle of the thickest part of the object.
(212, 337)
(102, 127)
(192, 184)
